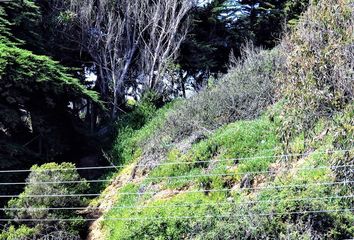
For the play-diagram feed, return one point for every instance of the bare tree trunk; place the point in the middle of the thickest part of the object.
(129, 38)
(183, 85)
(92, 118)
(119, 88)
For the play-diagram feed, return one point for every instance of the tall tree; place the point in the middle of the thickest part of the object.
(38, 122)
(130, 41)
(23, 19)
(221, 27)
(208, 42)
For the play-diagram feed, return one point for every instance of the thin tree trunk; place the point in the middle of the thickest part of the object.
(119, 84)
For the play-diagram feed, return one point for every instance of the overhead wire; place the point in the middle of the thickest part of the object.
(183, 191)
(177, 217)
(182, 176)
(180, 191)
(171, 163)
(178, 205)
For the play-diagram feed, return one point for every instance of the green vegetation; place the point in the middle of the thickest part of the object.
(48, 180)
(222, 26)
(263, 152)
(21, 232)
(237, 140)
(147, 215)
(318, 79)
(135, 129)
(38, 121)
(242, 94)
(222, 179)
(35, 117)
(20, 67)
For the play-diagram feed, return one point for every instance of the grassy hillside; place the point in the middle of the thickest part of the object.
(220, 187)
(266, 153)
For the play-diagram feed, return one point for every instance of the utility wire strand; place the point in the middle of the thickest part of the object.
(182, 191)
(225, 203)
(170, 163)
(183, 176)
(177, 217)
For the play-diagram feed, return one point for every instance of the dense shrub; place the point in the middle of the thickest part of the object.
(245, 223)
(20, 233)
(240, 219)
(241, 94)
(239, 139)
(344, 135)
(26, 233)
(244, 93)
(40, 182)
(318, 77)
(135, 128)
(141, 112)
(275, 219)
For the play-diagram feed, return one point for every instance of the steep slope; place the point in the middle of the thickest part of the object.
(232, 164)
(177, 197)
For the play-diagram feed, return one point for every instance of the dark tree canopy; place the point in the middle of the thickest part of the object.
(223, 26)
(39, 97)
(38, 121)
(35, 96)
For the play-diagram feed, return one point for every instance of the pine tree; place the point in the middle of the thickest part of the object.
(223, 26)
(36, 120)
(210, 40)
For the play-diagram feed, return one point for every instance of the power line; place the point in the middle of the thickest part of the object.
(182, 191)
(183, 176)
(168, 163)
(180, 205)
(177, 217)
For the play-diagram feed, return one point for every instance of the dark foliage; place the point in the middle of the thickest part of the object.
(38, 122)
(221, 27)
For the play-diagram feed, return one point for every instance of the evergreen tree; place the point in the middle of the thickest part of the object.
(22, 22)
(210, 40)
(223, 26)
(38, 122)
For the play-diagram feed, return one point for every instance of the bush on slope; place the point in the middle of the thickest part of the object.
(318, 102)
(49, 179)
(317, 81)
(244, 93)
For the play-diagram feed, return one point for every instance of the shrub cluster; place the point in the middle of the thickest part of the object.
(317, 80)
(50, 179)
(314, 71)
(244, 93)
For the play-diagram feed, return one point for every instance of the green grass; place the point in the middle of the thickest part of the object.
(242, 139)
(128, 144)
(237, 140)
(163, 219)
(296, 124)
